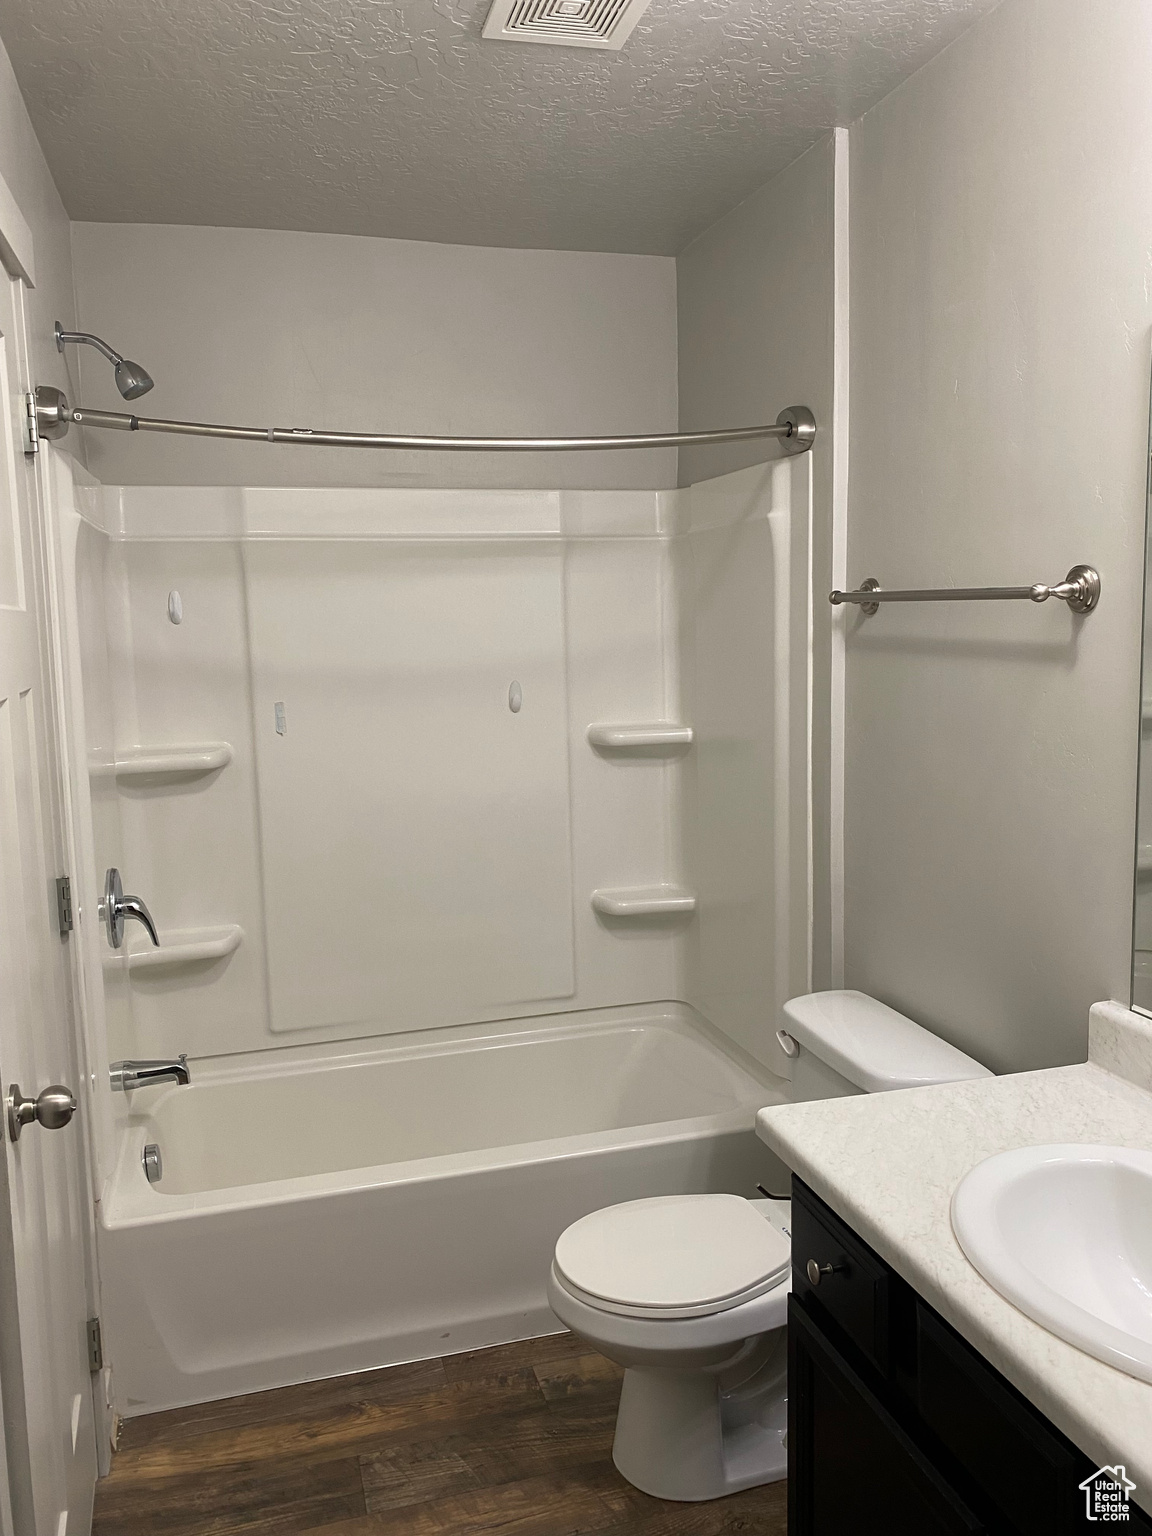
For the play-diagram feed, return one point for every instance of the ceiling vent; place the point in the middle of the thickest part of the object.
(568, 23)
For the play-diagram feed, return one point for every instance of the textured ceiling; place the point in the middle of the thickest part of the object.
(392, 117)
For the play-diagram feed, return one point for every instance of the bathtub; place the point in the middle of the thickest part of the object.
(395, 1204)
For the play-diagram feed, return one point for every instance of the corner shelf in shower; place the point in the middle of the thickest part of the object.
(644, 901)
(188, 946)
(645, 736)
(189, 761)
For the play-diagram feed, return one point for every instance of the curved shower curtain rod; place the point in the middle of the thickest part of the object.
(49, 415)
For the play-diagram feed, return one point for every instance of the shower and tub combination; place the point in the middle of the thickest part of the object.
(473, 828)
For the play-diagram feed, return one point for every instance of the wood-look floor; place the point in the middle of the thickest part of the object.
(515, 1440)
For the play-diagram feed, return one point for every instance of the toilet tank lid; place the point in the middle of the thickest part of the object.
(872, 1045)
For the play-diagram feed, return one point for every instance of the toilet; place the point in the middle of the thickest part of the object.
(689, 1293)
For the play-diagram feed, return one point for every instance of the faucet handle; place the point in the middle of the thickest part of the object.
(116, 907)
(132, 906)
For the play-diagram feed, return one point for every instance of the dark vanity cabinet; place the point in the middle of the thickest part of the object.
(896, 1424)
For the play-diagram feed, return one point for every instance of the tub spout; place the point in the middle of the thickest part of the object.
(141, 1074)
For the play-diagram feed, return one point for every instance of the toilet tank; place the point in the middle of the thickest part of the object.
(848, 1042)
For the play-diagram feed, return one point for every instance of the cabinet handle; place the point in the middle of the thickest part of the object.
(815, 1270)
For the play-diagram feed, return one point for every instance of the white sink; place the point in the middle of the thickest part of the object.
(1065, 1234)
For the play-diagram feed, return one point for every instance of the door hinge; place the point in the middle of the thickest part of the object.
(95, 1345)
(31, 429)
(64, 904)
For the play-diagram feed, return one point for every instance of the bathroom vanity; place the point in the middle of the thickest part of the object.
(896, 1422)
(914, 1385)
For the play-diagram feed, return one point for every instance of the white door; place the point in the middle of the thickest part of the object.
(45, 1209)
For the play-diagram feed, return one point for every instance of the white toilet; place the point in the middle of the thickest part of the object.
(690, 1292)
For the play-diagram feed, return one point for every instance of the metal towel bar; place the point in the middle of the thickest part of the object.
(1080, 589)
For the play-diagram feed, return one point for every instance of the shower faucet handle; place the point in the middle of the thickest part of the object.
(116, 907)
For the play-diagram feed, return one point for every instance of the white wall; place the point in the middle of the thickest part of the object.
(24, 169)
(757, 303)
(1001, 262)
(269, 328)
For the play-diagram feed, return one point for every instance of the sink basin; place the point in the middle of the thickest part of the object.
(1065, 1234)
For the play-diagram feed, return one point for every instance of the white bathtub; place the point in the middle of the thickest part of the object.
(399, 1203)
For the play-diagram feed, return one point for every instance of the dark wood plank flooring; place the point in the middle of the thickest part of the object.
(515, 1440)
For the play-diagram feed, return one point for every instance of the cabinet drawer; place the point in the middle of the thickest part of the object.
(853, 1288)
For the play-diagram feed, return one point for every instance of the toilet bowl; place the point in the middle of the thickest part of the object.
(689, 1293)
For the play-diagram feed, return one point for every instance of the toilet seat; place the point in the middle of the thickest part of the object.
(672, 1257)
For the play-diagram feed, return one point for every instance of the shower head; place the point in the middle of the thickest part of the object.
(131, 379)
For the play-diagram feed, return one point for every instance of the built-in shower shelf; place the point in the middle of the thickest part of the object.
(643, 901)
(639, 737)
(171, 762)
(187, 946)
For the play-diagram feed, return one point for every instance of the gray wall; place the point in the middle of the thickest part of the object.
(270, 328)
(1001, 235)
(24, 168)
(755, 297)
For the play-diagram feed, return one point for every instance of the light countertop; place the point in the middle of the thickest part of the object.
(888, 1164)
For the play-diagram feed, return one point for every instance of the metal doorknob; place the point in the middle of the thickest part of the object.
(53, 1108)
(116, 907)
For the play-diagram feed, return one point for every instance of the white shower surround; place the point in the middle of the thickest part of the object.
(677, 606)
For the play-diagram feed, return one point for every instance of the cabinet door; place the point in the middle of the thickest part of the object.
(851, 1466)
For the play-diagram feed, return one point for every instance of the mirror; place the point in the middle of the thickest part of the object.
(1142, 901)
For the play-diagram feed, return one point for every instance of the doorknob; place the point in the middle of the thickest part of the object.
(116, 907)
(54, 1107)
